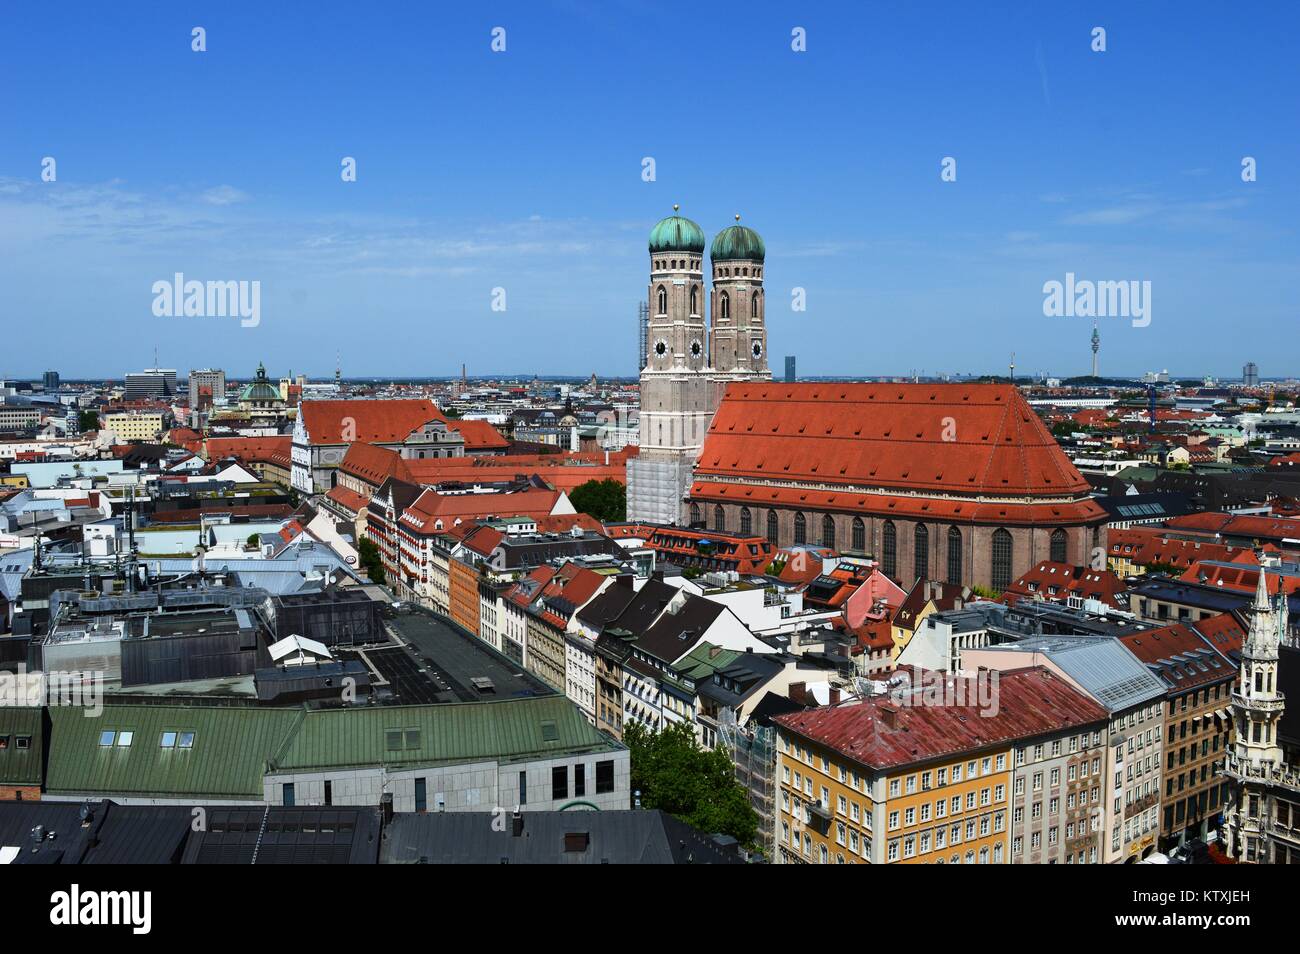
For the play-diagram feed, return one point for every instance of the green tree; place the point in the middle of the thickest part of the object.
(606, 500)
(368, 555)
(88, 420)
(675, 774)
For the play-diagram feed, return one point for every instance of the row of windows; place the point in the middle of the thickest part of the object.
(724, 303)
(169, 739)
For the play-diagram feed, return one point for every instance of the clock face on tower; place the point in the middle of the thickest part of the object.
(758, 349)
(661, 347)
(697, 349)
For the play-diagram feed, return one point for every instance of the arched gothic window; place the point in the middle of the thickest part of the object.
(954, 555)
(1001, 560)
(889, 549)
(1058, 546)
(921, 552)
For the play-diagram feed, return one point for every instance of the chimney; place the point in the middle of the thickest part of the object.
(386, 805)
(517, 823)
(927, 590)
(835, 696)
(889, 716)
(799, 692)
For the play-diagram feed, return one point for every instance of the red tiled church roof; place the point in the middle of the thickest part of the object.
(951, 439)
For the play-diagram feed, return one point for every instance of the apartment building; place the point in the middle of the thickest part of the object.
(1127, 798)
(146, 426)
(1198, 724)
(902, 778)
(1058, 781)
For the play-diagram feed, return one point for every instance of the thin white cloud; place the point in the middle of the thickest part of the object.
(224, 195)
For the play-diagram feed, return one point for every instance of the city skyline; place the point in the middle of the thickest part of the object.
(510, 186)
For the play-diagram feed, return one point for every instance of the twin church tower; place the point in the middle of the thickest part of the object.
(690, 362)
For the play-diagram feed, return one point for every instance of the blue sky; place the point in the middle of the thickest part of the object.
(522, 170)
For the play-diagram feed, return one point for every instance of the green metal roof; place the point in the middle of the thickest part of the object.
(510, 729)
(737, 242)
(234, 747)
(676, 234)
(20, 766)
(698, 664)
(227, 760)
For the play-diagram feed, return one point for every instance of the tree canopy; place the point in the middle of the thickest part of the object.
(606, 500)
(368, 556)
(675, 774)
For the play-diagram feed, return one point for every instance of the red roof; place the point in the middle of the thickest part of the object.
(944, 438)
(879, 733)
(1157, 647)
(956, 510)
(744, 555)
(374, 464)
(1148, 545)
(349, 500)
(378, 422)
(563, 472)
(483, 540)
(479, 435)
(1239, 577)
(1251, 526)
(431, 508)
(247, 448)
(1058, 581)
(1224, 632)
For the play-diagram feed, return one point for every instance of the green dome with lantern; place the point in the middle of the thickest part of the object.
(737, 242)
(677, 234)
(260, 391)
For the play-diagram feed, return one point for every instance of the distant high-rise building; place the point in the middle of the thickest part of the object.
(1250, 375)
(151, 383)
(790, 375)
(51, 381)
(643, 332)
(213, 379)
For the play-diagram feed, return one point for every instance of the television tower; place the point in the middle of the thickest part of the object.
(1096, 343)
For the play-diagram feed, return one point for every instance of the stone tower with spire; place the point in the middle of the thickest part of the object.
(1264, 787)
